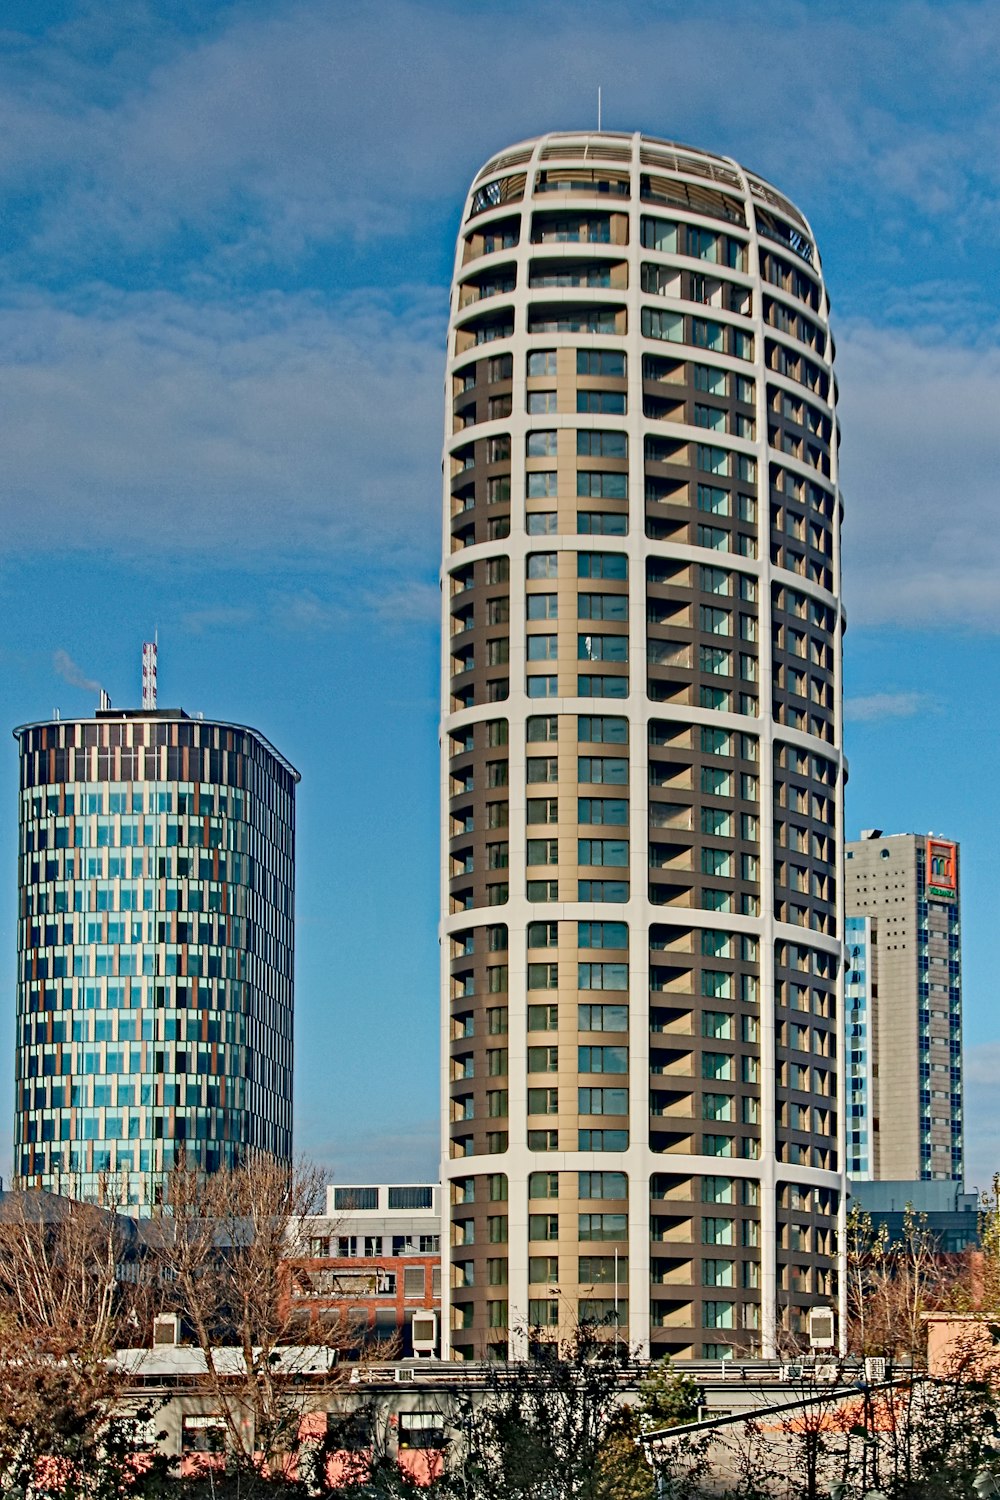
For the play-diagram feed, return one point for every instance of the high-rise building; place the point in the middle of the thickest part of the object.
(641, 747)
(156, 889)
(903, 1008)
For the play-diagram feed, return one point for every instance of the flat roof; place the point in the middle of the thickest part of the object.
(153, 715)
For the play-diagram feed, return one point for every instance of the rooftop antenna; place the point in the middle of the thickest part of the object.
(104, 701)
(149, 672)
(598, 107)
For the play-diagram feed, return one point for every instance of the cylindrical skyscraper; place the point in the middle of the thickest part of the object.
(641, 746)
(156, 892)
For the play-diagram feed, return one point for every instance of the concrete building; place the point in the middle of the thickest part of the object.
(950, 1215)
(641, 756)
(371, 1262)
(903, 1015)
(156, 894)
(418, 1411)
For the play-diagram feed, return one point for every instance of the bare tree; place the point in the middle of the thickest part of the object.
(222, 1249)
(66, 1301)
(891, 1284)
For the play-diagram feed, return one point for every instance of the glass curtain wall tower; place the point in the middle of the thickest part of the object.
(156, 894)
(641, 757)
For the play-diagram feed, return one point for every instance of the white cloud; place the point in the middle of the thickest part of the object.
(269, 111)
(872, 707)
(258, 425)
(412, 602)
(270, 426)
(217, 619)
(66, 668)
(920, 479)
(982, 1066)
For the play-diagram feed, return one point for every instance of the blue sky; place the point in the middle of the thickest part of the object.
(227, 237)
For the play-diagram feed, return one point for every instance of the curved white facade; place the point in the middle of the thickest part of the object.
(641, 756)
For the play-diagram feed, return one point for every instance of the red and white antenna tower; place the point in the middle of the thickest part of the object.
(149, 673)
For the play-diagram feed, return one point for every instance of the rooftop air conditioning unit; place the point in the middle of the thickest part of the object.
(425, 1334)
(166, 1329)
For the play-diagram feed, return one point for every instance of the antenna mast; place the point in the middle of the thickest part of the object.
(149, 673)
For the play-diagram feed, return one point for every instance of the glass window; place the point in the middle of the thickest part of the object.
(542, 727)
(602, 1140)
(602, 729)
(602, 934)
(602, 403)
(600, 362)
(602, 1059)
(542, 565)
(543, 1226)
(602, 606)
(718, 1272)
(715, 621)
(602, 1185)
(602, 1226)
(599, 686)
(543, 810)
(543, 1017)
(543, 1101)
(411, 1197)
(543, 934)
(542, 523)
(543, 1268)
(600, 484)
(603, 1018)
(542, 362)
(666, 326)
(346, 1199)
(603, 1101)
(541, 485)
(603, 852)
(543, 976)
(542, 851)
(543, 1059)
(601, 647)
(660, 235)
(543, 648)
(595, 443)
(541, 403)
(602, 976)
(602, 523)
(602, 770)
(718, 1190)
(542, 607)
(542, 768)
(602, 810)
(602, 890)
(543, 1185)
(600, 565)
